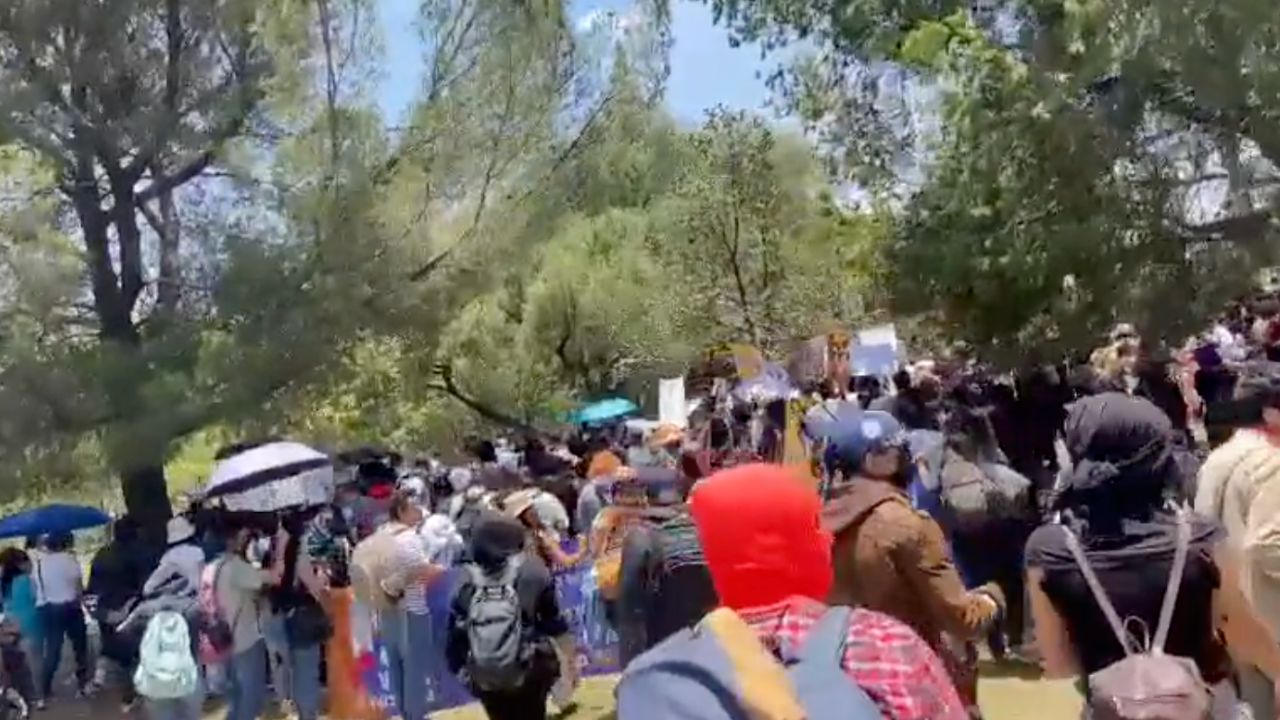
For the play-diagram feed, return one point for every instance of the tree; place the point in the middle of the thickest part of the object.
(127, 102)
(633, 281)
(1056, 164)
(738, 215)
(241, 221)
(208, 231)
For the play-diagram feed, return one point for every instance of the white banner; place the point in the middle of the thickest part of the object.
(671, 407)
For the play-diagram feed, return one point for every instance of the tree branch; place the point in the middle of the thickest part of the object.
(194, 166)
(482, 202)
(561, 158)
(449, 387)
(734, 243)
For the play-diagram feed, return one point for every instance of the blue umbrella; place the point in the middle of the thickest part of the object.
(604, 411)
(52, 519)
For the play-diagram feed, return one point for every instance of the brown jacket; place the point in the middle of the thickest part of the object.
(891, 558)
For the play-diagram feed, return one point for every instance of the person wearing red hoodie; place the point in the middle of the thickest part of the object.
(770, 561)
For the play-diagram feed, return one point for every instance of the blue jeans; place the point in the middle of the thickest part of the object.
(277, 656)
(304, 673)
(247, 679)
(297, 676)
(63, 620)
(406, 638)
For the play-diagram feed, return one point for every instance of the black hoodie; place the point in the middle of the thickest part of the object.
(665, 583)
(495, 539)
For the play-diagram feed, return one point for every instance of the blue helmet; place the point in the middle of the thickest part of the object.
(849, 443)
(827, 417)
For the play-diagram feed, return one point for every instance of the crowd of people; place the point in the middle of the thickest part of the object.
(1115, 520)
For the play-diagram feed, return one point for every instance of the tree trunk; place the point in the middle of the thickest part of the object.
(146, 494)
(169, 283)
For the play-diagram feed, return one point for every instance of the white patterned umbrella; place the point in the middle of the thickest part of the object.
(272, 477)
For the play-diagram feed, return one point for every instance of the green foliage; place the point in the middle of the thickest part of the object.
(639, 274)
(1058, 165)
(207, 232)
(736, 216)
(149, 300)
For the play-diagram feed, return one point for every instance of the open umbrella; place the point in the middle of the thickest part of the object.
(604, 411)
(272, 477)
(52, 519)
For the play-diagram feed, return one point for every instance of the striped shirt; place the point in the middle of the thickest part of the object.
(410, 556)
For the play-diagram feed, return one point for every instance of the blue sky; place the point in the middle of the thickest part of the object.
(705, 71)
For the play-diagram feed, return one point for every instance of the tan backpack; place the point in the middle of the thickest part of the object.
(1146, 684)
(372, 562)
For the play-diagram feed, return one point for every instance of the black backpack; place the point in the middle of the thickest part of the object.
(499, 649)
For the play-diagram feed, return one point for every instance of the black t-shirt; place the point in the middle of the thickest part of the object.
(1133, 566)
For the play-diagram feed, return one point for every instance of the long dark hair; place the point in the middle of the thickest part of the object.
(11, 562)
(61, 542)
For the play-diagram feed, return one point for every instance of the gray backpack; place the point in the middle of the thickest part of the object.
(719, 670)
(499, 650)
(975, 493)
(1146, 684)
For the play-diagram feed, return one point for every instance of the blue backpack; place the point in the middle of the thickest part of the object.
(719, 670)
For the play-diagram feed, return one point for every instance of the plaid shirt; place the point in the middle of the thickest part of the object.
(882, 656)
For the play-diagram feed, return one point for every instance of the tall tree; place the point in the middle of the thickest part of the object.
(245, 220)
(1058, 164)
(736, 214)
(128, 101)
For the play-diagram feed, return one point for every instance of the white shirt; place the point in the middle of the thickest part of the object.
(441, 540)
(186, 560)
(410, 555)
(58, 579)
(1229, 347)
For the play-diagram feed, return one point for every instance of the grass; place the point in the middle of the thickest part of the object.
(1006, 693)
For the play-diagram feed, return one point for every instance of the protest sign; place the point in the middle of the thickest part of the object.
(877, 351)
(671, 404)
